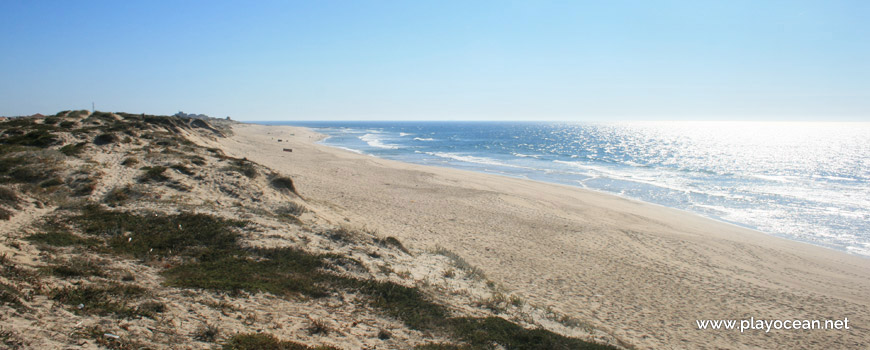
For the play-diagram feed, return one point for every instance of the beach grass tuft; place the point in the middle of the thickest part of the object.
(471, 271)
(391, 241)
(291, 208)
(284, 184)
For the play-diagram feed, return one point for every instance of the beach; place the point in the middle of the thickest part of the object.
(642, 272)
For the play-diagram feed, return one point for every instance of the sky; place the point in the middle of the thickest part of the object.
(440, 60)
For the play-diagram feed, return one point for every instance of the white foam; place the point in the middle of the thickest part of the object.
(527, 155)
(474, 159)
(423, 139)
(374, 141)
(349, 149)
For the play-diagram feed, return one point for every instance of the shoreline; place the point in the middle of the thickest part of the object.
(324, 137)
(643, 272)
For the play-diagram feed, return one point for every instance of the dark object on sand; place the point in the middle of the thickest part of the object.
(288, 150)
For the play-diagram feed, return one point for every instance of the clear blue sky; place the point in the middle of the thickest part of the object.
(440, 60)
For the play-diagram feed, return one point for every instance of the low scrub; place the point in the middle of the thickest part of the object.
(154, 174)
(36, 138)
(10, 295)
(211, 257)
(481, 333)
(181, 168)
(55, 233)
(105, 139)
(185, 234)
(76, 267)
(73, 150)
(118, 196)
(242, 166)
(129, 161)
(29, 166)
(264, 341)
(9, 197)
(283, 271)
(109, 299)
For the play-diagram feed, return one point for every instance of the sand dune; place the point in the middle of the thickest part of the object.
(643, 272)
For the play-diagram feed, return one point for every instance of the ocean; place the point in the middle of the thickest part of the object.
(805, 181)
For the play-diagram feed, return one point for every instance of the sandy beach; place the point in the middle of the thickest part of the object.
(642, 272)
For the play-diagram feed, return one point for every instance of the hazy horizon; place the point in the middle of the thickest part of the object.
(444, 61)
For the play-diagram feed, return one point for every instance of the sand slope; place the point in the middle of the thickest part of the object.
(643, 272)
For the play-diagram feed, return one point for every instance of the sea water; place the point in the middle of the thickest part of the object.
(806, 181)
